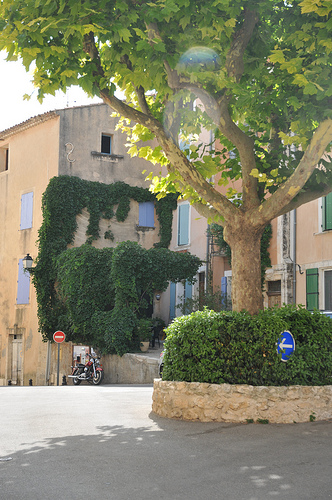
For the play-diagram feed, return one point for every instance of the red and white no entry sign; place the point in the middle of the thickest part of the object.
(59, 337)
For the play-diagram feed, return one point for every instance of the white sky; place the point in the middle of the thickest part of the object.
(15, 82)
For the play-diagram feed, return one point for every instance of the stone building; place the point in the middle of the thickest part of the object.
(80, 141)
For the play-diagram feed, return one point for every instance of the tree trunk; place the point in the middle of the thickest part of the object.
(245, 244)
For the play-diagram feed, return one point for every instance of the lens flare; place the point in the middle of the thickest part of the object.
(198, 59)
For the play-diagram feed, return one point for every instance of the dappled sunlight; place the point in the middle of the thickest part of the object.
(113, 455)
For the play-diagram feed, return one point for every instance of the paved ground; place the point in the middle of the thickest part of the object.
(72, 443)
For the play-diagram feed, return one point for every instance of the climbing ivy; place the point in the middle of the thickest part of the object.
(92, 294)
(106, 292)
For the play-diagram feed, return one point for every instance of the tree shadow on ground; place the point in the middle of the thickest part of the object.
(170, 460)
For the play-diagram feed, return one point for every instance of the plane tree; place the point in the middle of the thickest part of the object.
(256, 73)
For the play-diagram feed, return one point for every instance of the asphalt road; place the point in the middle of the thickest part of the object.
(86, 442)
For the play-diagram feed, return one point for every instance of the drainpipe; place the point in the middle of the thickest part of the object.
(48, 362)
(294, 256)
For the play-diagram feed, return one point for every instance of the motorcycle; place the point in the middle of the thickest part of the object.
(91, 372)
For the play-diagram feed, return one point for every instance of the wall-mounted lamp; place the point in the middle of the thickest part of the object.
(157, 296)
(27, 262)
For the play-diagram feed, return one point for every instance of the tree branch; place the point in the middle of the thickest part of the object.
(305, 197)
(140, 93)
(284, 195)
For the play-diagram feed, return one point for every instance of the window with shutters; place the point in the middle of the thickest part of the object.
(183, 224)
(26, 211)
(106, 144)
(146, 214)
(328, 290)
(312, 290)
(23, 285)
(327, 212)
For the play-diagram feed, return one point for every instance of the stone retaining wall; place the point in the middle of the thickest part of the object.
(129, 369)
(241, 403)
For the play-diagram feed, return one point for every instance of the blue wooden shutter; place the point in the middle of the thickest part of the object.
(224, 291)
(146, 214)
(327, 212)
(312, 291)
(172, 300)
(188, 295)
(183, 224)
(26, 211)
(23, 285)
(188, 290)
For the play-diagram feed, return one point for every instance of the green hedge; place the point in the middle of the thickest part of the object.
(235, 348)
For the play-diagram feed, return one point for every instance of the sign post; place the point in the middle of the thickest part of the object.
(286, 345)
(58, 337)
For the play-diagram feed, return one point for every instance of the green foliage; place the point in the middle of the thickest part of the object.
(262, 71)
(105, 293)
(87, 284)
(236, 348)
(279, 81)
(312, 417)
(218, 234)
(144, 329)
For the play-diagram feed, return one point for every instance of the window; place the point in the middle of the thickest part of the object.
(26, 211)
(23, 285)
(106, 144)
(312, 291)
(183, 224)
(4, 158)
(146, 214)
(328, 290)
(327, 212)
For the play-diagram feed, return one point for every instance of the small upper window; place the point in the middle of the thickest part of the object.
(4, 158)
(106, 144)
(26, 210)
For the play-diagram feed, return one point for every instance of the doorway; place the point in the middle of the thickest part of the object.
(16, 358)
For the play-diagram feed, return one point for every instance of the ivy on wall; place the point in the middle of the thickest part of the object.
(107, 292)
(63, 200)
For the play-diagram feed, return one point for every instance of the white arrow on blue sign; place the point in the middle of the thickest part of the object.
(285, 345)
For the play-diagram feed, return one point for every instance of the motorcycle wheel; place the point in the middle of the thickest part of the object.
(98, 378)
(76, 381)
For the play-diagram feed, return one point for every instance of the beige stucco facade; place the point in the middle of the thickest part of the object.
(63, 142)
(299, 244)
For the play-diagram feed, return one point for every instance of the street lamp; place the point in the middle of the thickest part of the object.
(27, 262)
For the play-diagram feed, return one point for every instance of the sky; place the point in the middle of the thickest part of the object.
(15, 82)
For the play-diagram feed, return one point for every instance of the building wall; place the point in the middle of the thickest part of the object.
(299, 244)
(314, 248)
(80, 155)
(39, 149)
(33, 160)
(197, 245)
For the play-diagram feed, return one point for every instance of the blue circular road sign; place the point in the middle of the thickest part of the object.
(285, 345)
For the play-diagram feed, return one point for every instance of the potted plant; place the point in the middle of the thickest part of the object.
(144, 330)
